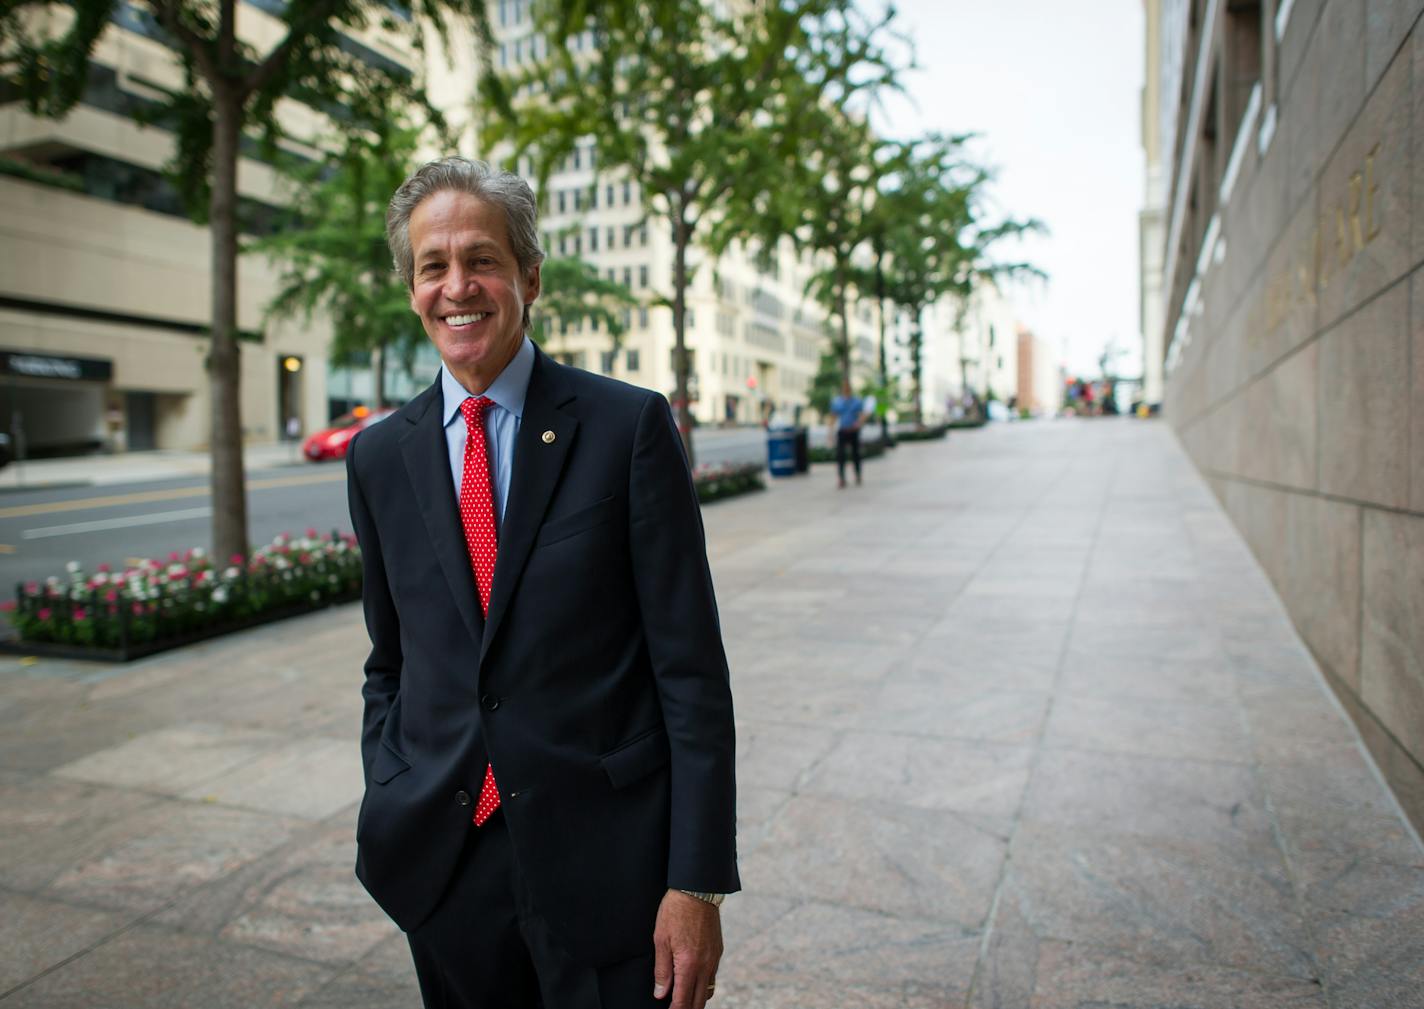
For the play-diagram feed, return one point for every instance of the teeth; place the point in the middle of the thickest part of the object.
(465, 320)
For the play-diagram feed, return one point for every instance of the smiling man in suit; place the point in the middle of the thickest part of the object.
(547, 740)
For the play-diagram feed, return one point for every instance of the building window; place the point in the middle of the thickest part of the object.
(643, 317)
(609, 193)
(627, 236)
(605, 362)
(612, 234)
(627, 276)
(643, 235)
(643, 276)
(632, 360)
(627, 192)
(561, 201)
(592, 239)
(578, 199)
(593, 198)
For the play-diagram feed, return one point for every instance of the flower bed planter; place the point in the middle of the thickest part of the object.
(128, 654)
(934, 433)
(724, 480)
(156, 605)
(868, 450)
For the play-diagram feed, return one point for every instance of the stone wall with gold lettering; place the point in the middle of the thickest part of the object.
(1297, 385)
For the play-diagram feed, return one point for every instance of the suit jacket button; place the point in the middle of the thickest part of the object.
(489, 702)
(462, 798)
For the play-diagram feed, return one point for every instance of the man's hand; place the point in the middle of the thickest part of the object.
(687, 946)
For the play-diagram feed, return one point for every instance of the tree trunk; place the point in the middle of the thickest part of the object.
(843, 310)
(682, 408)
(378, 376)
(229, 498)
(882, 408)
(917, 344)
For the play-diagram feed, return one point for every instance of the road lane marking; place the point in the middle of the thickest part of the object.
(6, 548)
(172, 494)
(152, 519)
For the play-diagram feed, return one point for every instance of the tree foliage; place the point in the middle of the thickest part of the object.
(574, 292)
(698, 105)
(232, 87)
(332, 250)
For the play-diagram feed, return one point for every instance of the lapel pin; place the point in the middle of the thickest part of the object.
(548, 437)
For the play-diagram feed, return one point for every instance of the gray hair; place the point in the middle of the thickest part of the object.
(503, 189)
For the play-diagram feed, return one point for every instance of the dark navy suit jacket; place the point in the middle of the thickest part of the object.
(597, 686)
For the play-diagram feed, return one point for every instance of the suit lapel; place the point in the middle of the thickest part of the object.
(537, 466)
(428, 462)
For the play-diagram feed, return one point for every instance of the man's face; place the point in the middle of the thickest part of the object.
(467, 289)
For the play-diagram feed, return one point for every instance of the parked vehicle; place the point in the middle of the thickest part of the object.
(331, 442)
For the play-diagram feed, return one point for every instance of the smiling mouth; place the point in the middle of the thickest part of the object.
(465, 320)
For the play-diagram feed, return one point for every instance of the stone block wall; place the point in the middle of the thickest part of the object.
(1300, 391)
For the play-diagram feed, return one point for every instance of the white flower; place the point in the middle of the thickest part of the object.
(72, 567)
(219, 595)
(199, 552)
(231, 573)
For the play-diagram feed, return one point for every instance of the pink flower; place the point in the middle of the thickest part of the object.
(31, 588)
(236, 559)
(80, 614)
(104, 568)
(8, 606)
(175, 556)
(138, 609)
(312, 533)
(111, 596)
(44, 613)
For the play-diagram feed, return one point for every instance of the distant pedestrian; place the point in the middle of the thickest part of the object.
(848, 414)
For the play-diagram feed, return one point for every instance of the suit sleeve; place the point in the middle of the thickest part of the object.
(679, 614)
(383, 665)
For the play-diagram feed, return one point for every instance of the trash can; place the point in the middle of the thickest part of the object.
(781, 451)
(803, 450)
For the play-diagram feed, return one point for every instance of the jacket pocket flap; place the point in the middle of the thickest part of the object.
(570, 525)
(387, 765)
(636, 759)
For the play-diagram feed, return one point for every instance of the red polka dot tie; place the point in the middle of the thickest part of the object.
(477, 517)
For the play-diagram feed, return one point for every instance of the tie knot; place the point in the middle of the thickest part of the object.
(474, 407)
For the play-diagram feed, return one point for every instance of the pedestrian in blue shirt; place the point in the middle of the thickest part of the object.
(848, 414)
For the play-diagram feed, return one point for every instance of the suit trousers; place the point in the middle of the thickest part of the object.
(485, 946)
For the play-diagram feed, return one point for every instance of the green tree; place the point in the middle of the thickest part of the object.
(231, 87)
(333, 255)
(931, 237)
(572, 291)
(825, 202)
(697, 105)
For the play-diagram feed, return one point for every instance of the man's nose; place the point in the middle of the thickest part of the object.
(460, 283)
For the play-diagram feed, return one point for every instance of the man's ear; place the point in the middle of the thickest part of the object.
(532, 285)
(413, 307)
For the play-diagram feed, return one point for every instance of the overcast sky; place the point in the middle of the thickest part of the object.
(1053, 88)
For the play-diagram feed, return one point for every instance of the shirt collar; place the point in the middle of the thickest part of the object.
(507, 390)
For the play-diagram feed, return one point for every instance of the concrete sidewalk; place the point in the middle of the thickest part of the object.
(130, 467)
(1021, 724)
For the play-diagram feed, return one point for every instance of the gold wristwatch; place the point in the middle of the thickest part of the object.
(715, 899)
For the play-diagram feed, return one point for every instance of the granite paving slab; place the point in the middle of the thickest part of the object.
(1021, 725)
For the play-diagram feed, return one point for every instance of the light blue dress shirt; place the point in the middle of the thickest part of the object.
(501, 423)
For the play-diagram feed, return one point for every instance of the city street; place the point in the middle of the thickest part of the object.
(138, 508)
(1021, 723)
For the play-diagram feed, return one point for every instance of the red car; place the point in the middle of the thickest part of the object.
(331, 442)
